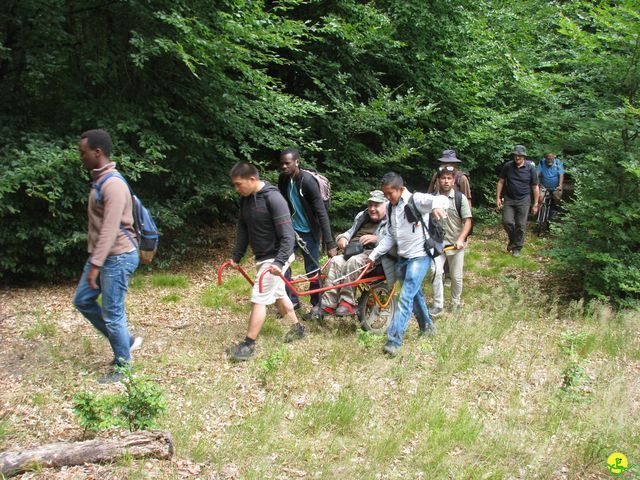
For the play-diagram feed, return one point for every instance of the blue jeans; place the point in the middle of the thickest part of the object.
(411, 273)
(310, 264)
(110, 319)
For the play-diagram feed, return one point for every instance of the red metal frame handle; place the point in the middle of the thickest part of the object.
(291, 286)
(229, 264)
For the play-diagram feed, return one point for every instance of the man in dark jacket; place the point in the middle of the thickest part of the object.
(518, 182)
(265, 225)
(308, 214)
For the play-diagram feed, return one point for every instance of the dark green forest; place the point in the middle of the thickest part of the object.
(188, 87)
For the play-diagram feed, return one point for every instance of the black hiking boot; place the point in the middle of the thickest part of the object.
(241, 352)
(295, 333)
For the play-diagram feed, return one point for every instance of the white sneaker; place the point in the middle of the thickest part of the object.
(137, 343)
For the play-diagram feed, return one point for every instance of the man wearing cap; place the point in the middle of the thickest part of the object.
(461, 183)
(518, 181)
(356, 244)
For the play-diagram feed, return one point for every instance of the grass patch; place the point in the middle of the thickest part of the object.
(171, 298)
(42, 328)
(233, 295)
(514, 378)
(272, 328)
(138, 282)
(339, 415)
(168, 280)
(39, 399)
(5, 431)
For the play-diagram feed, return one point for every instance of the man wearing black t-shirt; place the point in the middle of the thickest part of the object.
(518, 180)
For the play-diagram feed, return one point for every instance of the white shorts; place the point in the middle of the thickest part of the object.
(273, 287)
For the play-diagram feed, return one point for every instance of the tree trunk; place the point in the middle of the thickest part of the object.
(155, 444)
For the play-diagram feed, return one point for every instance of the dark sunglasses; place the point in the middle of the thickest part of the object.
(447, 168)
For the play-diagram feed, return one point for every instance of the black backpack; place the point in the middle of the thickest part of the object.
(434, 240)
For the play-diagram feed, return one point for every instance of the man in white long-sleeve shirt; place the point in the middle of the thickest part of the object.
(408, 235)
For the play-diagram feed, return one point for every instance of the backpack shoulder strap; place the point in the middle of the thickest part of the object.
(417, 215)
(99, 184)
(458, 201)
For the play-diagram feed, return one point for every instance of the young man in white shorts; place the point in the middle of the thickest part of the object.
(265, 225)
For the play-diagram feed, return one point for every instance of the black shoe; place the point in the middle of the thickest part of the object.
(295, 333)
(111, 377)
(241, 352)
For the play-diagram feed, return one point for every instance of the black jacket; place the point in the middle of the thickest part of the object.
(265, 224)
(313, 205)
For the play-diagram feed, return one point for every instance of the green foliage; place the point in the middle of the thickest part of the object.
(143, 401)
(339, 414)
(367, 339)
(168, 280)
(599, 244)
(574, 344)
(137, 408)
(187, 89)
(271, 365)
(171, 298)
(41, 329)
(95, 413)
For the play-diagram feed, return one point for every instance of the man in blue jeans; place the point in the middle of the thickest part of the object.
(113, 254)
(308, 215)
(409, 235)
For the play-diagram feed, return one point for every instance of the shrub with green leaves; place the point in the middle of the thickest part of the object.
(138, 408)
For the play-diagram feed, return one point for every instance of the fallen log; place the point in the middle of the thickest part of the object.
(151, 444)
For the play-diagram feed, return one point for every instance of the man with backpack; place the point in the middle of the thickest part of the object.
(309, 216)
(112, 247)
(519, 182)
(457, 227)
(461, 183)
(265, 225)
(408, 214)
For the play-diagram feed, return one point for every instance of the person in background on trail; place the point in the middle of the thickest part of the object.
(461, 184)
(519, 182)
(309, 217)
(409, 235)
(356, 244)
(457, 226)
(551, 174)
(264, 224)
(113, 251)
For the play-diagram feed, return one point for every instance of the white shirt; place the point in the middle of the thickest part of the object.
(408, 237)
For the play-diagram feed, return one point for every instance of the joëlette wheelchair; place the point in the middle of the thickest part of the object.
(376, 302)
